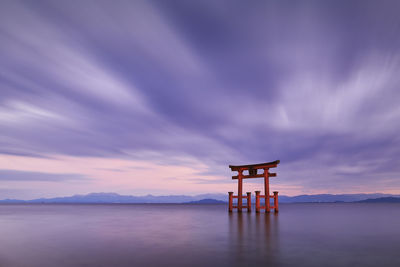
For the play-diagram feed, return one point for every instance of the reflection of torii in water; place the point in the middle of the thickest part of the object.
(253, 173)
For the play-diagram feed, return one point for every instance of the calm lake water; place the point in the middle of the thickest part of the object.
(199, 235)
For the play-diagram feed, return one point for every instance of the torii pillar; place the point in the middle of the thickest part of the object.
(253, 173)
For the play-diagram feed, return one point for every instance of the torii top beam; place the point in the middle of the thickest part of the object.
(252, 168)
(271, 164)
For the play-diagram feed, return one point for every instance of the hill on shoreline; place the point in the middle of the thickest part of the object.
(381, 200)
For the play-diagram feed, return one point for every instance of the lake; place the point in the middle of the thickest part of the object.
(337, 234)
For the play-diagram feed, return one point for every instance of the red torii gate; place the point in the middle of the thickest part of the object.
(253, 173)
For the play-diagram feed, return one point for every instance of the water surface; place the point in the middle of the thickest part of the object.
(199, 235)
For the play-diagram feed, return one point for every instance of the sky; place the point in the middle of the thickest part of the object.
(159, 97)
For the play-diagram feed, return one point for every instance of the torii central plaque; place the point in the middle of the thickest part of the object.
(253, 173)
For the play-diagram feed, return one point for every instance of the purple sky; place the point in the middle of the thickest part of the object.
(158, 97)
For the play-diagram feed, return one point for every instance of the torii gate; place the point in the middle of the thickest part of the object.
(253, 173)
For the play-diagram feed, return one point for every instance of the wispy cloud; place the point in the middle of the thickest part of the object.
(206, 85)
(16, 176)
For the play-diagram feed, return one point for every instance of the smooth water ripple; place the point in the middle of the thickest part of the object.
(340, 234)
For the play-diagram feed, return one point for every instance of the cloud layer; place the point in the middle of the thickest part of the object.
(13, 175)
(312, 84)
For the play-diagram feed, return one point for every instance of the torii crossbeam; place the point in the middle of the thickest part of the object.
(253, 173)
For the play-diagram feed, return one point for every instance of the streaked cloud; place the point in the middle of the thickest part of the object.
(16, 176)
(195, 86)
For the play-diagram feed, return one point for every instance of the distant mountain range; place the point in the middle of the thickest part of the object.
(205, 198)
(116, 198)
(381, 200)
(333, 198)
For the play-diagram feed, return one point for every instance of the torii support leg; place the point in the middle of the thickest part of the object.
(257, 201)
(266, 189)
(230, 201)
(248, 201)
(276, 201)
(240, 190)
